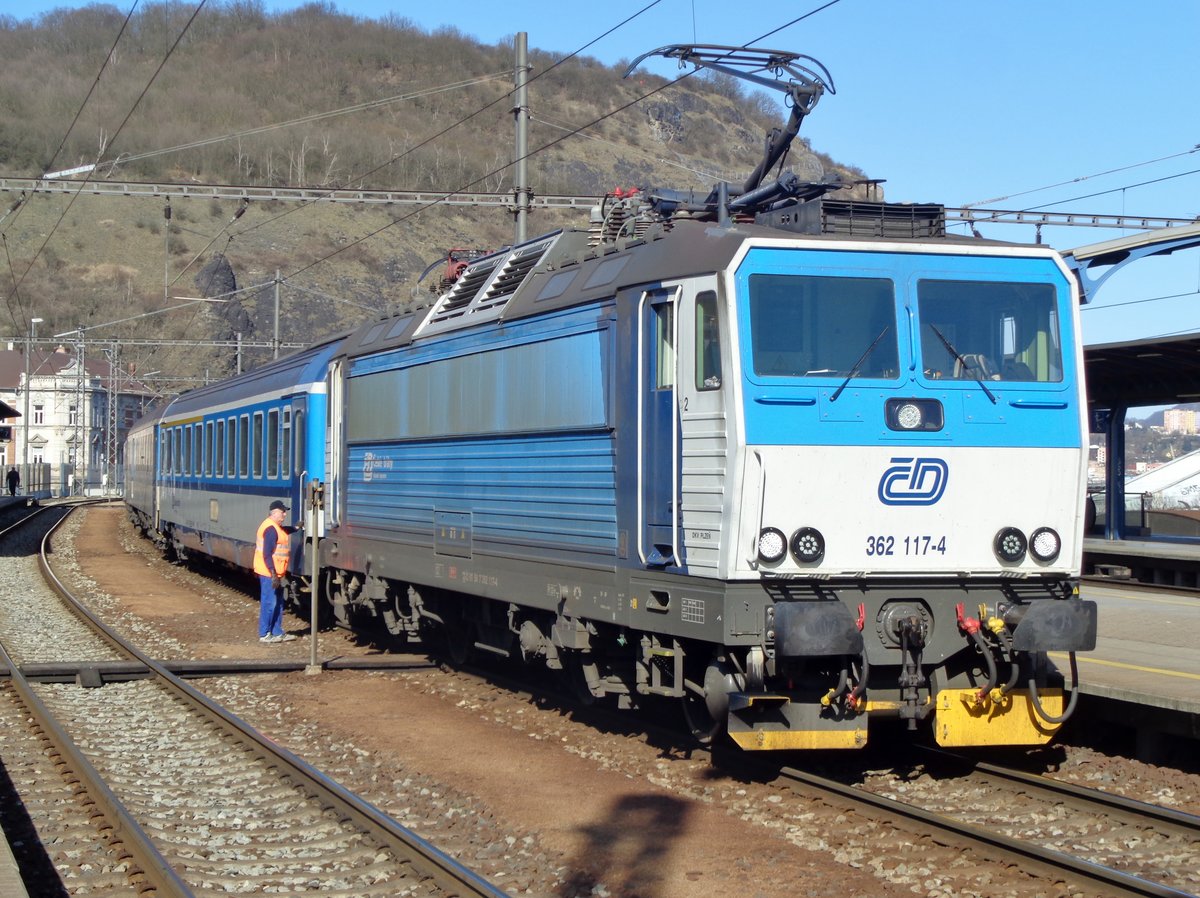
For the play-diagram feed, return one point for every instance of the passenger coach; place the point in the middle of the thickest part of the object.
(204, 468)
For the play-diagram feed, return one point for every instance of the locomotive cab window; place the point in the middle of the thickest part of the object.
(975, 330)
(708, 342)
(664, 337)
(802, 326)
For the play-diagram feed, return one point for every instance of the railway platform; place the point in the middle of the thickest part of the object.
(11, 885)
(1145, 671)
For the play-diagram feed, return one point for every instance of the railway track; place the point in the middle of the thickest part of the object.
(169, 794)
(1052, 829)
(1093, 838)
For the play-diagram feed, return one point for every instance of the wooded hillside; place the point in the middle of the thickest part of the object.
(308, 98)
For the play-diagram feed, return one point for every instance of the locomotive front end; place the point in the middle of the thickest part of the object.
(912, 490)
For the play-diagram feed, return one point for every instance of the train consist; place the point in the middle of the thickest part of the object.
(792, 461)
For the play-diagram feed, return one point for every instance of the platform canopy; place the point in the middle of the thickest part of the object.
(1154, 371)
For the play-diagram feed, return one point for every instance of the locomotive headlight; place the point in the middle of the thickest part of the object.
(808, 545)
(1010, 544)
(772, 544)
(1045, 544)
(909, 416)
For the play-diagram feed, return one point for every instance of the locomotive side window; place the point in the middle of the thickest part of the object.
(708, 342)
(976, 330)
(664, 336)
(803, 326)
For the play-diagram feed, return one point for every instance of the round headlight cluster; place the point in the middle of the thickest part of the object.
(1044, 545)
(909, 416)
(772, 544)
(1010, 544)
(807, 544)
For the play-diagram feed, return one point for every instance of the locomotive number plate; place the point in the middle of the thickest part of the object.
(915, 544)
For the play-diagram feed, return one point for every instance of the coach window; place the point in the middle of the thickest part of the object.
(244, 446)
(273, 443)
(708, 342)
(208, 448)
(219, 450)
(164, 452)
(256, 445)
(197, 449)
(185, 450)
(285, 455)
(231, 448)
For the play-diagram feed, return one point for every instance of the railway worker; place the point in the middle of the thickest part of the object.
(270, 563)
(14, 480)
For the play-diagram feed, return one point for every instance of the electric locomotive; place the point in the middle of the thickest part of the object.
(794, 462)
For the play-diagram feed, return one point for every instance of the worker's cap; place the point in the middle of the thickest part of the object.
(278, 505)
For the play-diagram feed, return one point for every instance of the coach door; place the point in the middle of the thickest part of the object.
(658, 429)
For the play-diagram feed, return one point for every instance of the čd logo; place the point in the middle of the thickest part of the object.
(913, 481)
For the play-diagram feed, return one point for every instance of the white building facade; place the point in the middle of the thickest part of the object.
(79, 412)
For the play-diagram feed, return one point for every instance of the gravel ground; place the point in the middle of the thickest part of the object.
(536, 800)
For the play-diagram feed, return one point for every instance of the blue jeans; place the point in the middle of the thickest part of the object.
(270, 608)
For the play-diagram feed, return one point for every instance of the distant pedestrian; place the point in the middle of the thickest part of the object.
(271, 563)
(14, 480)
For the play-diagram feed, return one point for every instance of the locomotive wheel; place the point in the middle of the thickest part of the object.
(577, 677)
(706, 703)
(704, 727)
(460, 639)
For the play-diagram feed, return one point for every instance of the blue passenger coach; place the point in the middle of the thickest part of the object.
(220, 454)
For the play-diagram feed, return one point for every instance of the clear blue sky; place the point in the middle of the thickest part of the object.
(951, 101)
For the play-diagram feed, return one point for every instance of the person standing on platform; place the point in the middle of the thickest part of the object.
(271, 563)
(14, 480)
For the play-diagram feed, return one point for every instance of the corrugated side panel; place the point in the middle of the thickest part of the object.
(545, 493)
(702, 495)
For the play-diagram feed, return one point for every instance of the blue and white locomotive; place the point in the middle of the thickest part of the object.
(796, 463)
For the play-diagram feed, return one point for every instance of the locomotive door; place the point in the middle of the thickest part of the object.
(658, 429)
(335, 433)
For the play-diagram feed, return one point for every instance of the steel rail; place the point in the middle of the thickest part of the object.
(447, 873)
(1119, 883)
(1140, 811)
(125, 829)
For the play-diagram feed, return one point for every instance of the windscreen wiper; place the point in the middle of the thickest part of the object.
(966, 365)
(862, 358)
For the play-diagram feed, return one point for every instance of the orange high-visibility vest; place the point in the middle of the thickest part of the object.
(280, 557)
